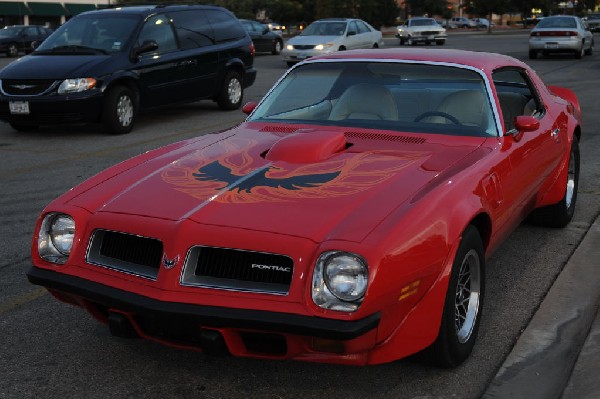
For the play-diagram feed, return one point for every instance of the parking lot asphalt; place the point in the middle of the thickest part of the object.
(558, 354)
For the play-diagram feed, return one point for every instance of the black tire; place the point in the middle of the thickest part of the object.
(402, 41)
(590, 51)
(440, 42)
(342, 48)
(375, 45)
(460, 323)
(561, 213)
(579, 53)
(20, 127)
(12, 50)
(119, 110)
(277, 46)
(232, 92)
(532, 54)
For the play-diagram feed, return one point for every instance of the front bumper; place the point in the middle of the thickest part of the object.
(54, 109)
(301, 55)
(105, 298)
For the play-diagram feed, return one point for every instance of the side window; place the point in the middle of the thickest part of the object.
(225, 26)
(193, 29)
(353, 27)
(157, 28)
(516, 94)
(362, 27)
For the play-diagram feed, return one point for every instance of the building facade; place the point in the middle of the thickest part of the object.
(44, 12)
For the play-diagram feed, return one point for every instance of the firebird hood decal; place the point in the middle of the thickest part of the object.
(214, 171)
(231, 184)
(231, 179)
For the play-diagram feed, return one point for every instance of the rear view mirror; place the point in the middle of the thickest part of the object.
(525, 123)
(146, 47)
(249, 107)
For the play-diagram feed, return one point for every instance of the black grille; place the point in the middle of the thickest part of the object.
(304, 46)
(126, 252)
(238, 269)
(21, 87)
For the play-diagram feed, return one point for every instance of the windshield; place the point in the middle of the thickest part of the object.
(396, 96)
(423, 22)
(103, 33)
(10, 32)
(325, 29)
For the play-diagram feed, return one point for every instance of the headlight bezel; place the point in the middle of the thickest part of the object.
(76, 85)
(324, 292)
(56, 237)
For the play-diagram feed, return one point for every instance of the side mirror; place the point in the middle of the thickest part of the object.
(249, 107)
(146, 47)
(266, 30)
(525, 123)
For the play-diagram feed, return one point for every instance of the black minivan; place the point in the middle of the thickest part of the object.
(107, 65)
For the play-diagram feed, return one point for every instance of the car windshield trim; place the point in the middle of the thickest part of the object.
(488, 85)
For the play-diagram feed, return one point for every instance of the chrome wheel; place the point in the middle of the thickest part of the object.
(125, 110)
(234, 91)
(570, 182)
(12, 50)
(466, 302)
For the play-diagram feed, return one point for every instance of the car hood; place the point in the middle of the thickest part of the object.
(314, 183)
(307, 40)
(54, 66)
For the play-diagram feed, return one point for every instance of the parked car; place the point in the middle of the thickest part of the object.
(17, 39)
(329, 35)
(347, 220)
(108, 65)
(276, 27)
(483, 23)
(265, 40)
(463, 22)
(421, 30)
(445, 23)
(561, 34)
(593, 22)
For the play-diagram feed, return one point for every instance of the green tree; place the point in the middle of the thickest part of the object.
(427, 7)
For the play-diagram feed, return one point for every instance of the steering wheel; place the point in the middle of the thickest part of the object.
(437, 113)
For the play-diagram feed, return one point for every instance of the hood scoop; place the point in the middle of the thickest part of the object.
(307, 147)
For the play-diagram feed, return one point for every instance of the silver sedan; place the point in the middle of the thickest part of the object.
(561, 34)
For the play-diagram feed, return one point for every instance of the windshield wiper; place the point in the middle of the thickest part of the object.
(72, 49)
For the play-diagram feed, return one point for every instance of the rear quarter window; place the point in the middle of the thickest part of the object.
(193, 29)
(225, 26)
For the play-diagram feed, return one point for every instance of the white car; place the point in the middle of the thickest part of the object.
(421, 30)
(561, 34)
(328, 35)
(483, 22)
(463, 22)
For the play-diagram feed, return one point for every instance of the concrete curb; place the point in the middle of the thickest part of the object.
(543, 358)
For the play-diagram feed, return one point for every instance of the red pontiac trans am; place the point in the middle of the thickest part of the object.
(347, 220)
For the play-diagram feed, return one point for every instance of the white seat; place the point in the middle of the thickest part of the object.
(365, 101)
(467, 106)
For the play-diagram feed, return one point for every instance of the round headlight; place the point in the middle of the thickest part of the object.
(62, 233)
(346, 276)
(340, 281)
